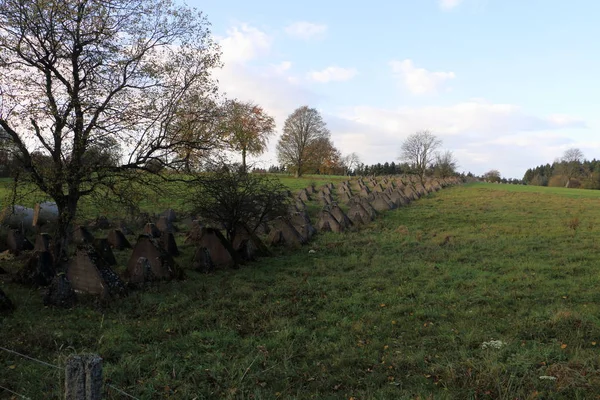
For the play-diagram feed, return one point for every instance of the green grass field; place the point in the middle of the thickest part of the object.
(317, 180)
(405, 308)
(576, 193)
(148, 201)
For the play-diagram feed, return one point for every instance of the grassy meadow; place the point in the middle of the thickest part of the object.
(148, 200)
(479, 291)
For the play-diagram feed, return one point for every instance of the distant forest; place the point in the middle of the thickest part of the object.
(576, 173)
(386, 168)
(378, 169)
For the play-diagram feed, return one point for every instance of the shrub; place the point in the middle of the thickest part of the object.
(229, 199)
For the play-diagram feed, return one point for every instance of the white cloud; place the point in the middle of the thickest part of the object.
(270, 86)
(475, 117)
(560, 119)
(333, 73)
(282, 67)
(482, 135)
(449, 4)
(305, 30)
(419, 80)
(277, 94)
(244, 43)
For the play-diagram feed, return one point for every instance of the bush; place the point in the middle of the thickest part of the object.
(229, 199)
(539, 180)
(557, 181)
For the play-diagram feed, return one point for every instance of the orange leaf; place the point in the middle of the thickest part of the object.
(563, 346)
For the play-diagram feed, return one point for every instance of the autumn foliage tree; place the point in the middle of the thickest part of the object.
(196, 133)
(323, 157)
(305, 134)
(75, 75)
(246, 128)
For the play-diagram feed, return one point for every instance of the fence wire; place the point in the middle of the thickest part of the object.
(30, 358)
(15, 393)
(120, 391)
(44, 363)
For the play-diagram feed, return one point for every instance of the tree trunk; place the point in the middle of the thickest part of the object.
(244, 160)
(67, 207)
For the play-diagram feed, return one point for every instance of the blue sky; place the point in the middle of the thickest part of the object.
(505, 84)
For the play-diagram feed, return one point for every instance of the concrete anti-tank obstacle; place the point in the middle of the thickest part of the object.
(81, 235)
(162, 263)
(152, 230)
(38, 271)
(328, 223)
(17, 242)
(104, 250)
(60, 293)
(284, 233)
(340, 216)
(89, 273)
(219, 250)
(117, 240)
(42, 242)
(142, 272)
(6, 305)
(248, 245)
(303, 225)
(164, 225)
(168, 243)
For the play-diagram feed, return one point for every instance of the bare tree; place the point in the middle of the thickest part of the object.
(445, 164)
(230, 199)
(350, 162)
(418, 150)
(570, 164)
(302, 129)
(246, 128)
(493, 175)
(572, 155)
(75, 75)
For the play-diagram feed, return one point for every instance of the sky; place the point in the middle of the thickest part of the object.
(505, 84)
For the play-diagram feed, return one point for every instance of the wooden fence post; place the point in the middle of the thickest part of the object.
(83, 377)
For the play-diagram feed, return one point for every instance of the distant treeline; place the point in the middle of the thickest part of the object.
(379, 169)
(574, 174)
(382, 169)
(360, 170)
